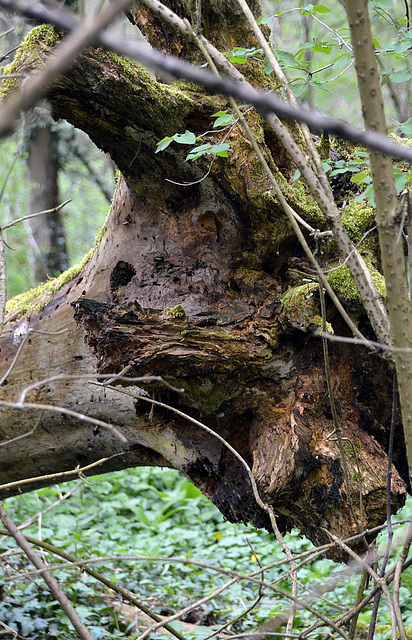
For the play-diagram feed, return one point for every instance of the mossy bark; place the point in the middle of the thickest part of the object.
(186, 282)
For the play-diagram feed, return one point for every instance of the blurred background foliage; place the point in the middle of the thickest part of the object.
(82, 217)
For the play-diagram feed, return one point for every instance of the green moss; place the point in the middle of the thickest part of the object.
(357, 218)
(303, 203)
(37, 298)
(318, 324)
(342, 282)
(298, 296)
(301, 307)
(30, 55)
(324, 147)
(177, 312)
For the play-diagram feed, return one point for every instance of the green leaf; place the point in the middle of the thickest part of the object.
(197, 152)
(201, 148)
(237, 59)
(163, 144)
(406, 128)
(321, 47)
(286, 57)
(299, 89)
(224, 119)
(188, 137)
(401, 178)
(268, 19)
(342, 61)
(401, 76)
(359, 177)
(320, 8)
(220, 149)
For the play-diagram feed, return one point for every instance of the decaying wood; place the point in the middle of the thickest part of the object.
(186, 283)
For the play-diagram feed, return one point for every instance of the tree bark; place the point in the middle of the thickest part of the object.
(49, 255)
(186, 282)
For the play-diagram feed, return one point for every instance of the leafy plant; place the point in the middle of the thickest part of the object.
(148, 512)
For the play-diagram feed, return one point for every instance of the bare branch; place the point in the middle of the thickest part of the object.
(264, 101)
(33, 215)
(36, 85)
(46, 575)
(63, 475)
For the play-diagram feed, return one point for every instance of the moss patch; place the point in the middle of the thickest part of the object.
(301, 307)
(30, 55)
(177, 312)
(36, 299)
(357, 218)
(342, 282)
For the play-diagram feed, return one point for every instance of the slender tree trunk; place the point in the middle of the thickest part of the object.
(388, 213)
(48, 244)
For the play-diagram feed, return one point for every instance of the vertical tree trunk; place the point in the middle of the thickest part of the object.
(48, 244)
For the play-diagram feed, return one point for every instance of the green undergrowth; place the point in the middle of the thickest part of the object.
(154, 513)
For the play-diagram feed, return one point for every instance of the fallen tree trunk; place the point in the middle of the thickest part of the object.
(188, 283)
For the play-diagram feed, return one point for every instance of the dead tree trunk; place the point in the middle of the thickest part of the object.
(186, 282)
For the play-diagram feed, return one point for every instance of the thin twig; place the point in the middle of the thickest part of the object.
(397, 581)
(264, 101)
(366, 564)
(374, 615)
(33, 215)
(19, 350)
(49, 579)
(79, 471)
(125, 593)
